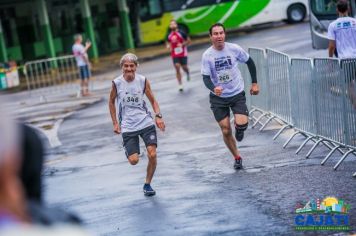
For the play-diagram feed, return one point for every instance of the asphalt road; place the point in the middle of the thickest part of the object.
(198, 191)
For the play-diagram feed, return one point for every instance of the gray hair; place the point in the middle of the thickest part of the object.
(129, 57)
(77, 36)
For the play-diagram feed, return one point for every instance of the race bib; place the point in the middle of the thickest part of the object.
(224, 77)
(178, 50)
(133, 100)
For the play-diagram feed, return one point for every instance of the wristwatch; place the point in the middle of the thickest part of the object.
(159, 115)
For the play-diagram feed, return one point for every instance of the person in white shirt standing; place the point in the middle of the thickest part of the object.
(342, 36)
(83, 63)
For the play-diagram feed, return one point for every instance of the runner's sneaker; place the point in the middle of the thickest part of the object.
(180, 88)
(148, 191)
(238, 163)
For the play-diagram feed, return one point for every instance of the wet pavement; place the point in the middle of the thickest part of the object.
(198, 191)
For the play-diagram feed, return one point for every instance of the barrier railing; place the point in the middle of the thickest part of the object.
(349, 73)
(278, 77)
(52, 76)
(317, 98)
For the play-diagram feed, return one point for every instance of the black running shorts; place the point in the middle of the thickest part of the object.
(131, 140)
(221, 106)
(180, 60)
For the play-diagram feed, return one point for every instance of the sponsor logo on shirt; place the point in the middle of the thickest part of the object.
(223, 63)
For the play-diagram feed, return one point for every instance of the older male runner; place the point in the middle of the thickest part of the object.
(135, 120)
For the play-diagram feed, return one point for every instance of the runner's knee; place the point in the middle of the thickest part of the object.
(241, 127)
(133, 159)
(226, 131)
(151, 153)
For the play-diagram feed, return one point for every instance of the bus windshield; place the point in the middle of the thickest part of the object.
(323, 7)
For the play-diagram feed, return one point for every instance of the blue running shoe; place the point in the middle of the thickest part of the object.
(148, 190)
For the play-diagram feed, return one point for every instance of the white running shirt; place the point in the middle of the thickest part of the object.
(131, 107)
(221, 66)
(343, 31)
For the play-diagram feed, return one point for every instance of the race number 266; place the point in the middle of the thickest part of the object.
(224, 78)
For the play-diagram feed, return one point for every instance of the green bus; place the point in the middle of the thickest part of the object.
(196, 16)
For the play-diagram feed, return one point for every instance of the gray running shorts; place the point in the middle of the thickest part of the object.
(131, 139)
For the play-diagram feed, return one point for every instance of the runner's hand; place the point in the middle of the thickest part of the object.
(218, 90)
(255, 89)
(160, 124)
(117, 129)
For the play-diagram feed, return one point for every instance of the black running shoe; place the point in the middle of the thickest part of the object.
(238, 164)
(239, 135)
(148, 190)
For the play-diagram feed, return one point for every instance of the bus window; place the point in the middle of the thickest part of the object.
(207, 2)
(173, 5)
(150, 9)
(183, 4)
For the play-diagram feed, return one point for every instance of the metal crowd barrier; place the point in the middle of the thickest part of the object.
(259, 57)
(303, 111)
(278, 77)
(317, 98)
(260, 104)
(247, 83)
(52, 76)
(349, 72)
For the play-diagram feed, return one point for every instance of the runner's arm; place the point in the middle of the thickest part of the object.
(159, 121)
(187, 41)
(112, 109)
(252, 68)
(151, 97)
(254, 90)
(208, 83)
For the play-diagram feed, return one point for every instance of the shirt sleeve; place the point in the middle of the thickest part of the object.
(205, 68)
(241, 54)
(331, 33)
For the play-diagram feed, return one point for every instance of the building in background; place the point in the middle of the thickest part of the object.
(33, 29)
